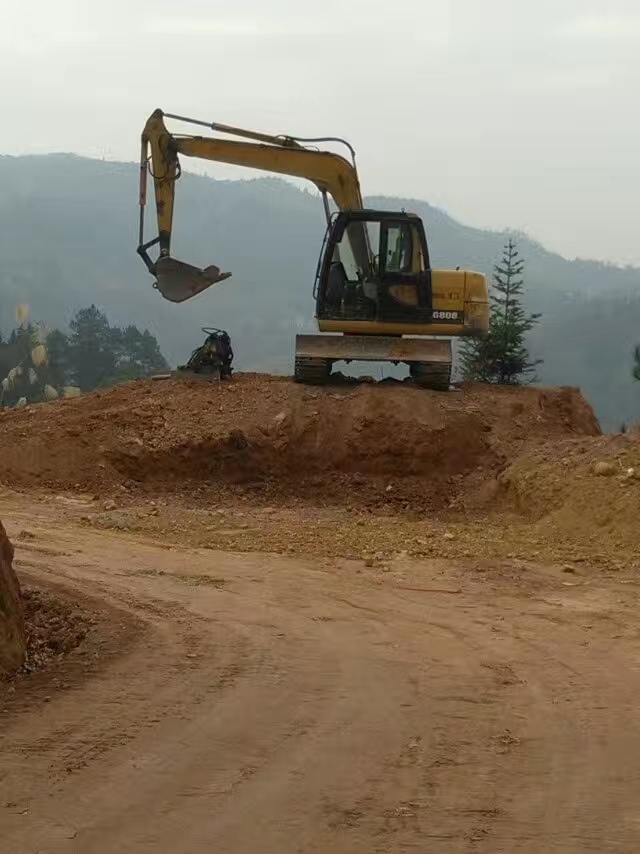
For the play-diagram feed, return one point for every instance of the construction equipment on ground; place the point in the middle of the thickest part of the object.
(214, 357)
(375, 289)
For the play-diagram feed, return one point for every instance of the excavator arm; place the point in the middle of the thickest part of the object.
(331, 174)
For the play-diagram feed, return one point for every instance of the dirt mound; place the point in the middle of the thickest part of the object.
(586, 488)
(12, 640)
(399, 439)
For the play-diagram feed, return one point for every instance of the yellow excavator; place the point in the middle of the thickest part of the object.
(377, 297)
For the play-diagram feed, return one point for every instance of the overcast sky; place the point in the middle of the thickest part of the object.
(518, 113)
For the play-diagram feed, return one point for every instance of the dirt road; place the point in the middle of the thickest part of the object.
(260, 703)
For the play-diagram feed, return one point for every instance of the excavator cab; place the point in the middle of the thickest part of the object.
(374, 266)
(378, 295)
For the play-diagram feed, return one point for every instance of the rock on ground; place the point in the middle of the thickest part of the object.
(12, 639)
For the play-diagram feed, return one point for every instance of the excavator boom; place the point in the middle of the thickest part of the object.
(331, 174)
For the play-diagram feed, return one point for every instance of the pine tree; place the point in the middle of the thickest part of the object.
(58, 368)
(92, 357)
(138, 353)
(502, 356)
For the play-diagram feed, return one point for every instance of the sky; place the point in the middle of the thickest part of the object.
(504, 113)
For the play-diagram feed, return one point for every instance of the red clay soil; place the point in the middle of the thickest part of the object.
(391, 439)
(589, 487)
(12, 640)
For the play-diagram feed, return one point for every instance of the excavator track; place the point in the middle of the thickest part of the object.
(312, 370)
(433, 375)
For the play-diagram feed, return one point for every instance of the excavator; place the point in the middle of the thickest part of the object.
(377, 296)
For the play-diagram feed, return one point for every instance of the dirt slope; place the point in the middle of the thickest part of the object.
(12, 641)
(589, 488)
(386, 439)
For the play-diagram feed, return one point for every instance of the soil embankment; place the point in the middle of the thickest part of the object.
(393, 442)
(12, 641)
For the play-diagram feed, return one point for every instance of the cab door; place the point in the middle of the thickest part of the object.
(404, 291)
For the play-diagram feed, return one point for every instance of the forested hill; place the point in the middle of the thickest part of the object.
(68, 234)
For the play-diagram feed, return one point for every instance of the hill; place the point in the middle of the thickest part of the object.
(68, 232)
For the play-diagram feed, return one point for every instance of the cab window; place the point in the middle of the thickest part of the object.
(399, 248)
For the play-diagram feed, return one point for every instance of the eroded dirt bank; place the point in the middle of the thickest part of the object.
(12, 638)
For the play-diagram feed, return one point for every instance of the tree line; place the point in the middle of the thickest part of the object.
(39, 364)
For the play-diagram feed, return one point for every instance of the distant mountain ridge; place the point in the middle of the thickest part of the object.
(68, 234)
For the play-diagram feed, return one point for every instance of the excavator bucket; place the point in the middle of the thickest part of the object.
(178, 281)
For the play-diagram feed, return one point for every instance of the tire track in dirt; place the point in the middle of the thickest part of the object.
(296, 705)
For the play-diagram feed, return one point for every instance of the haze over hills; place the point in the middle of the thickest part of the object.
(68, 233)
